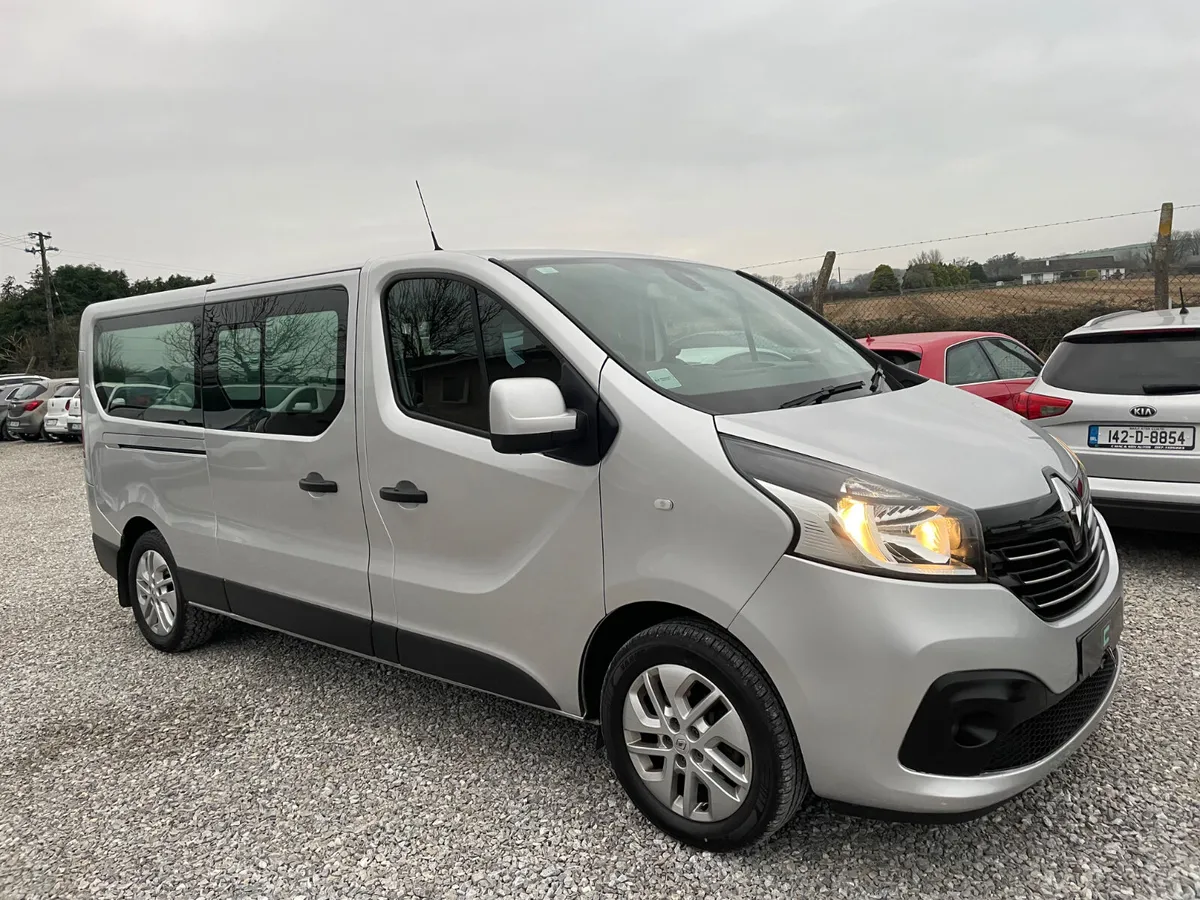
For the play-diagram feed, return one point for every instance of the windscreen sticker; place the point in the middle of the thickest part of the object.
(664, 379)
(546, 270)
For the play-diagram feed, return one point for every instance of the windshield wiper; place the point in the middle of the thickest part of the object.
(822, 395)
(1170, 388)
(876, 378)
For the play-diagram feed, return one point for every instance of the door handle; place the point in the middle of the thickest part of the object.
(314, 483)
(404, 492)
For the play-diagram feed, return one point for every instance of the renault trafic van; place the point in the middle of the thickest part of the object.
(652, 494)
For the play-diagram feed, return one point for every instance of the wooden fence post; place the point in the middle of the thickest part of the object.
(822, 285)
(1162, 261)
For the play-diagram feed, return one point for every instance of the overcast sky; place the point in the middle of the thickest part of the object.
(259, 135)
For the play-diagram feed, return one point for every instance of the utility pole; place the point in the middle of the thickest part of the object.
(41, 249)
(1162, 258)
(822, 285)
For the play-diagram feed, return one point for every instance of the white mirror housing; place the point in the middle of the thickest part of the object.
(529, 415)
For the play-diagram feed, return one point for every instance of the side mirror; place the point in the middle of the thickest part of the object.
(117, 401)
(529, 415)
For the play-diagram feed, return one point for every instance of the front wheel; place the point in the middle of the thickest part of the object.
(699, 738)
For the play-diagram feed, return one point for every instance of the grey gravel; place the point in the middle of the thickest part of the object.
(262, 766)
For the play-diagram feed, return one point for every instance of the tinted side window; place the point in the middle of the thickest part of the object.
(967, 364)
(1011, 359)
(276, 364)
(449, 343)
(137, 360)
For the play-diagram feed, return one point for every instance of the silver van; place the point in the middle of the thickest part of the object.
(651, 494)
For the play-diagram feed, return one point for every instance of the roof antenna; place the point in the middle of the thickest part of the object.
(427, 222)
(1183, 310)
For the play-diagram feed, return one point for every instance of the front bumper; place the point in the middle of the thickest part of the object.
(853, 657)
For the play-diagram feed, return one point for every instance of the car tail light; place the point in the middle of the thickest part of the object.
(1038, 406)
(31, 405)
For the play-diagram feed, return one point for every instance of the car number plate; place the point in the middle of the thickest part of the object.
(1098, 639)
(1135, 437)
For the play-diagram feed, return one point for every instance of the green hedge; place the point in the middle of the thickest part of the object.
(1040, 330)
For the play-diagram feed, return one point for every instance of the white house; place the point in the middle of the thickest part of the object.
(1046, 271)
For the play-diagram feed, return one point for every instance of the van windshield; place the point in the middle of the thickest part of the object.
(701, 334)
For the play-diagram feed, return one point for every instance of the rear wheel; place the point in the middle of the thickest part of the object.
(165, 618)
(699, 738)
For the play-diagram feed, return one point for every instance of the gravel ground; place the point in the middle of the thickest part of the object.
(262, 766)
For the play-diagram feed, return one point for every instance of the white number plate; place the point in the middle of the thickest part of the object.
(1140, 437)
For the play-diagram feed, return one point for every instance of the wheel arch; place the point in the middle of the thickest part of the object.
(134, 529)
(611, 633)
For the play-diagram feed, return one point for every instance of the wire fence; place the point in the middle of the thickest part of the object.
(1038, 315)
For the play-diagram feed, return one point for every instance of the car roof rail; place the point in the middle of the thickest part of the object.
(1107, 316)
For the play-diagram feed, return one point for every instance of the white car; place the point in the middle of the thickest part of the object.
(1123, 392)
(57, 421)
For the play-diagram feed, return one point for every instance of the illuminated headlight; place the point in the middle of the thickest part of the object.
(856, 521)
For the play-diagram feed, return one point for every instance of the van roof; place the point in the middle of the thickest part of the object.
(166, 299)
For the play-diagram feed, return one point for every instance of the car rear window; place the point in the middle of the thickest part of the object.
(28, 392)
(1127, 363)
(906, 358)
(67, 390)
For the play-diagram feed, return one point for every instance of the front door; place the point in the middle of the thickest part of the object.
(495, 559)
(280, 437)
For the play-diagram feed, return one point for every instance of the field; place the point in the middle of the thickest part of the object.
(1039, 315)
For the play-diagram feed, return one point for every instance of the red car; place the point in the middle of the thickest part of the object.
(986, 363)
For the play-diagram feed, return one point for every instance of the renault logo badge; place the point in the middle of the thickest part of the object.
(1073, 507)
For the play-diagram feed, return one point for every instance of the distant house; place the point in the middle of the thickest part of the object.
(1191, 265)
(1046, 271)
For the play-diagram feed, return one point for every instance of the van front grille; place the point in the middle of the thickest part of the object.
(1050, 563)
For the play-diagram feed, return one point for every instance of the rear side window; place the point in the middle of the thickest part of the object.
(137, 360)
(1011, 359)
(1132, 364)
(968, 364)
(276, 364)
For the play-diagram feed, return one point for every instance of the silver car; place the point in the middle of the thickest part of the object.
(650, 494)
(1123, 392)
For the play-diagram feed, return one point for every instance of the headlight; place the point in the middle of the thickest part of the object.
(857, 521)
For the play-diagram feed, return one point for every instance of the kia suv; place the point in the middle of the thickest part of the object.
(1123, 392)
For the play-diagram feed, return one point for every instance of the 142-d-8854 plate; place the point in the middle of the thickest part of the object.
(1136, 437)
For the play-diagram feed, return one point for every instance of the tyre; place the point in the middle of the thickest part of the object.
(698, 737)
(166, 620)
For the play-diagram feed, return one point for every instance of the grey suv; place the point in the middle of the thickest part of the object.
(1123, 392)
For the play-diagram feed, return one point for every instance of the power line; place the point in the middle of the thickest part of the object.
(960, 237)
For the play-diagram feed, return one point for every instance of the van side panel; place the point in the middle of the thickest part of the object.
(497, 580)
(137, 469)
(278, 397)
(712, 548)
